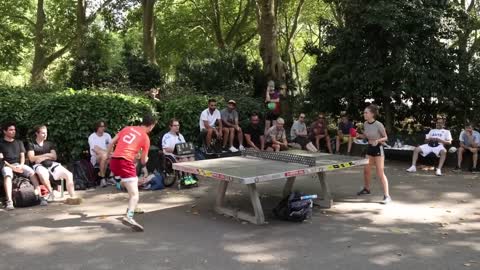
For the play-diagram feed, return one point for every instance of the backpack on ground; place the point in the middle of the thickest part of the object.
(84, 175)
(23, 192)
(293, 208)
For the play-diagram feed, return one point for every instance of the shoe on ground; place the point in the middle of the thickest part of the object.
(438, 172)
(475, 170)
(412, 169)
(139, 210)
(209, 150)
(9, 206)
(103, 183)
(51, 196)
(386, 199)
(111, 181)
(73, 201)
(241, 148)
(43, 201)
(130, 222)
(457, 169)
(364, 191)
(233, 149)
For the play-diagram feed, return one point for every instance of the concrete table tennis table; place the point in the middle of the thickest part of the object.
(255, 167)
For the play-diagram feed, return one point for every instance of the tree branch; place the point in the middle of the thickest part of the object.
(92, 17)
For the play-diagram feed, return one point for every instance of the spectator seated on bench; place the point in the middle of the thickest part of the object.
(319, 132)
(231, 127)
(98, 142)
(210, 125)
(345, 134)
(254, 133)
(276, 137)
(436, 140)
(469, 143)
(299, 134)
(42, 154)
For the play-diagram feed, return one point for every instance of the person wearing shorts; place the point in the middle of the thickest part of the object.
(375, 133)
(299, 134)
(276, 137)
(272, 101)
(210, 124)
(319, 131)
(42, 154)
(469, 142)
(344, 134)
(128, 143)
(12, 153)
(98, 142)
(436, 140)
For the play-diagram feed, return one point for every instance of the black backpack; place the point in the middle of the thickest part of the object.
(23, 192)
(293, 208)
(84, 175)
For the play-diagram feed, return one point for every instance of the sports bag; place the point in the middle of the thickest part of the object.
(294, 208)
(23, 192)
(84, 175)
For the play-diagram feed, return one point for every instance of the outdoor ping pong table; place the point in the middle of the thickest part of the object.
(257, 167)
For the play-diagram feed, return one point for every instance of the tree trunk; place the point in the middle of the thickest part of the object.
(81, 30)
(149, 31)
(273, 66)
(38, 68)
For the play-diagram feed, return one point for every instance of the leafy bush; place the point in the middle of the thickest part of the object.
(69, 115)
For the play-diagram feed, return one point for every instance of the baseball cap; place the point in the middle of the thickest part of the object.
(231, 101)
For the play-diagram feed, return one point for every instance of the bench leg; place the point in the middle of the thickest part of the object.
(326, 201)
(287, 189)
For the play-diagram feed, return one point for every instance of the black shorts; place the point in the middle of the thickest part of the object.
(272, 116)
(303, 141)
(375, 151)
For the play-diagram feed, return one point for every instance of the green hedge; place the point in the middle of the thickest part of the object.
(70, 115)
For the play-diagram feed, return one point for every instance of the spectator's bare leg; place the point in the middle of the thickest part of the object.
(443, 156)
(36, 185)
(310, 147)
(337, 144)
(226, 132)
(350, 143)
(231, 132)
(475, 157)
(417, 151)
(7, 184)
(240, 137)
(102, 161)
(68, 177)
(267, 126)
(379, 164)
(208, 139)
(460, 156)
(44, 177)
(329, 145)
(276, 147)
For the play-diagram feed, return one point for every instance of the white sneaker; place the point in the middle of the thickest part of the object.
(233, 149)
(412, 169)
(241, 148)
(103, 183)
(438, 172)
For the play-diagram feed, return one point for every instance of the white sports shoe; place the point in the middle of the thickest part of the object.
(438, 172)
(233, 149)
(412, 169)
(241, 148)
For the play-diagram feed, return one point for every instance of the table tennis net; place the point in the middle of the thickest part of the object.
(279, 156)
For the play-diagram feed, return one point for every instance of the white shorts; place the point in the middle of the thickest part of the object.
(27, 171)
(427, 149)
(56, 170)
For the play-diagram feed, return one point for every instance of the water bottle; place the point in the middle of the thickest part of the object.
(309, 197)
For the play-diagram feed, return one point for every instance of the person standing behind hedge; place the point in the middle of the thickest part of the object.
(272, 100)
(43, 155)
(98, 143)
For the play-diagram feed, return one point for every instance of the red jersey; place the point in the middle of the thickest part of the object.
(130, 141)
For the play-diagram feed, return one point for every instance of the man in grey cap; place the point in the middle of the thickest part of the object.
(230, 127)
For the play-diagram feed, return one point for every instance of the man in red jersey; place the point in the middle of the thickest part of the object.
(128, 143)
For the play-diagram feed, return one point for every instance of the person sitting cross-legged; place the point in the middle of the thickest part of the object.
(299, 134)
(469, 142)
(43, 155)
(277, 137)
(436, 140)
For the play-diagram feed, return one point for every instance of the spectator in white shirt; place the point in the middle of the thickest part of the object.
(469, 142)
(211, 123)
(98, 143)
